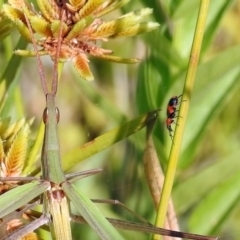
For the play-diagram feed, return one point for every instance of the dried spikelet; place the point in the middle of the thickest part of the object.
(13, 129)
(109, 6)
(18, 3)
(77, 28)
(15, 158)
(103, 6)
(138, 15)
(41, 26)
(132, 18)
(81, 64)
(105, 30)
(5, 25)
(117, 59)
(131, 31)
(18, 125)
(90, 7)
(77, 4)
(120, 25)
(15, 224)
(137, 29)
(13, 13)
(55, 28)
(49, 9)
(23, 30)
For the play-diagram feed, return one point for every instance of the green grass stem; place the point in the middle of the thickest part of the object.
(188, 87)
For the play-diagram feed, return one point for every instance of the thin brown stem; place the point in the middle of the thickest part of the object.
(55, 70)
(40, 65)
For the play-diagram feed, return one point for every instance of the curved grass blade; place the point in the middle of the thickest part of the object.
(108, 139)
(8, 79)
(216, 94)
(20, 196)
(185, 199)
(214, 206)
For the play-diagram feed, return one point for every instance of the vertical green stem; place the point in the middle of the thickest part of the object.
(188, 86)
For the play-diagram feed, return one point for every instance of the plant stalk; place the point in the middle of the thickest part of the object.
(181, 121)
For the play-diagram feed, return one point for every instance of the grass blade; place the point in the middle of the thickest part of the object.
(108, 139)
(214, 207)
(91, 213)
(20, 196)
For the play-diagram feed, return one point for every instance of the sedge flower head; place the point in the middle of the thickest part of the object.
(14, 150)
(81, 26)
(14, 147)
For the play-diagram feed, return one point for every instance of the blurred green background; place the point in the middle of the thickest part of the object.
(206, 192)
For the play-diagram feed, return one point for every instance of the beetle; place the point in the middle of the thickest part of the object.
(171, 113)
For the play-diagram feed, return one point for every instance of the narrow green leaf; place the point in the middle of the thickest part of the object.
(163, 48)
(20, 196)
(149, 95)
(214, 207)
(185, 7)
(161, 11)
(8, 80)
(214, 95)
(8, 74)
(185, 199)
(32, 157)
(218, 11)
(108, 139)
(184, 18)
(95, 96)
(91, 213)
